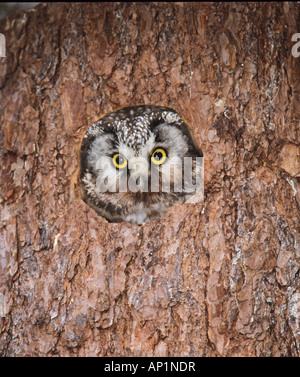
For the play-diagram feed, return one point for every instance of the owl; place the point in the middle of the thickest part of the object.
(138, 162)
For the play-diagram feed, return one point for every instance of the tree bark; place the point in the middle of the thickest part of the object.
(218, 278)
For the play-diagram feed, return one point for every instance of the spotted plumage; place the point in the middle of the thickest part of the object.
(125, 159)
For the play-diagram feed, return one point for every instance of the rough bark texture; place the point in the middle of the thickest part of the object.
(219, 278)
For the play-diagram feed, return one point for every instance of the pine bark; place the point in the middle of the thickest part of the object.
(218, 278)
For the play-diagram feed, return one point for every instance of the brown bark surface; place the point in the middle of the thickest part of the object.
(218, 278)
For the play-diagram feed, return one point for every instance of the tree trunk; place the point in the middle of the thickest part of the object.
(217, 278)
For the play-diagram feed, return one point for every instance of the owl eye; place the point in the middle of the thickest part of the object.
(119, 161)
(159, 156)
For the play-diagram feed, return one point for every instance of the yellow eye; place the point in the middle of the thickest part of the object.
(119, 161)
(159, 156)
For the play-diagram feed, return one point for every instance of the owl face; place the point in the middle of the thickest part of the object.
(134, 164)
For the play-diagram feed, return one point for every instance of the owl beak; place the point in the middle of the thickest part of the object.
(138, 182)
(141, 184)
(137, 168)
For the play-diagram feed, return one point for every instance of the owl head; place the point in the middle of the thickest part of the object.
(138, 162)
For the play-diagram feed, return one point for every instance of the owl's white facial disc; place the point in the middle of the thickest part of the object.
(132, 163)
